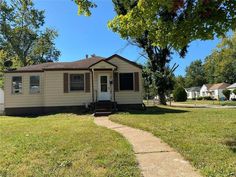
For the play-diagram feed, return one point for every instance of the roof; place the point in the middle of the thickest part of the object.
(219, 86)
(208, 86)
(83, 64)
(232, 86)
(193, 89)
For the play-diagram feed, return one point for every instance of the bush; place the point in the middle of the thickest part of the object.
(207, 98)
(180, 94)
(226, 93)
(200, 98)
(234, 91)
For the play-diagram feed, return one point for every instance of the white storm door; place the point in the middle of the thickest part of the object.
(103, 87)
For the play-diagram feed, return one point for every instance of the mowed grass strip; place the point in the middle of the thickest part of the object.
(205, 137)
(63, 145)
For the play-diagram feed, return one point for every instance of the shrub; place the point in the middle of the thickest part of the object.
(234, 91)
(180, 94)
(200, 98)
(226, 93)
(193, 98)
(207, 98)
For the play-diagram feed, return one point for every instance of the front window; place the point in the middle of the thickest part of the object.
(16, 84)
(126, 81)
(34, 84)
(76, 82)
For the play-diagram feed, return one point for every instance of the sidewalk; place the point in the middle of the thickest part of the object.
(155, 158)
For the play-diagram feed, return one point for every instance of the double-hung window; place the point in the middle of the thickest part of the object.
(76, 82)
(16, 84)
(126, 81)
(34, 84)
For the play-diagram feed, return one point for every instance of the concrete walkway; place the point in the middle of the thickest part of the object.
(155, 158)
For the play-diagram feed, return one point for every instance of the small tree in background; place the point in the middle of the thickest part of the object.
(179, 94)
(226, 93)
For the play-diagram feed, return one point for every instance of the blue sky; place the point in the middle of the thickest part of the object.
(79, 35)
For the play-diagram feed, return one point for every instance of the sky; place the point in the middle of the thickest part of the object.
(80, 35)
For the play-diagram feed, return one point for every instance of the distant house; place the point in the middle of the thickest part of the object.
(214, 90)
(232, 87)
(204, 91)
(193, 92)
(96, 82)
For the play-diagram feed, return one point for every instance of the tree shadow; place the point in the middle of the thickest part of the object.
(231, 143)
(156, 110)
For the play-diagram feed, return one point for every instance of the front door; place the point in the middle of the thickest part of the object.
(103, 87)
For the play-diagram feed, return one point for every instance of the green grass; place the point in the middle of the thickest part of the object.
(63, 145)
(205, 137)
(199, 102)
(210, 102)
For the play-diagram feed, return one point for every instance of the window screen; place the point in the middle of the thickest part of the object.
(34, 84)
(76, 82)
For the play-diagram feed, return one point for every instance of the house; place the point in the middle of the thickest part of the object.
(204, 91)
(217, 89)
(90, 82)
(193, 92)
(213, 90)
(231, 88)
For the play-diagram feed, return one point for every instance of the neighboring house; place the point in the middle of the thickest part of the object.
(193, 92)
(232, 87)
(213, 90)
(204, 91)
(54, 86)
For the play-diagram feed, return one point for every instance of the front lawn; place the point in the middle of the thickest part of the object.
(210, 102)
(205, 137)
(63, 145)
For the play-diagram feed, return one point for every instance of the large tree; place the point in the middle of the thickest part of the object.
(220, 66)
(195, 74)
(161, 27)
(21, 34)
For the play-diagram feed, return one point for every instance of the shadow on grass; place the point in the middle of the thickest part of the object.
(231, 144)
(40, 115)
(156, 110)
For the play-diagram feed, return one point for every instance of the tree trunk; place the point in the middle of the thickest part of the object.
(162, 96)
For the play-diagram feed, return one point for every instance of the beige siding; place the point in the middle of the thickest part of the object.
(26, 99)
(54, 92)
(128, 97)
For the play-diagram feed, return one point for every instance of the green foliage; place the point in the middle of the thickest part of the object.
(220, 66)
(226, 93)
(179, 94)
(84, 7)
(179, 81)
(207, 98)
(22, 37)
(200, 98)
(234, 91)
(160, 28)
(195, 74)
